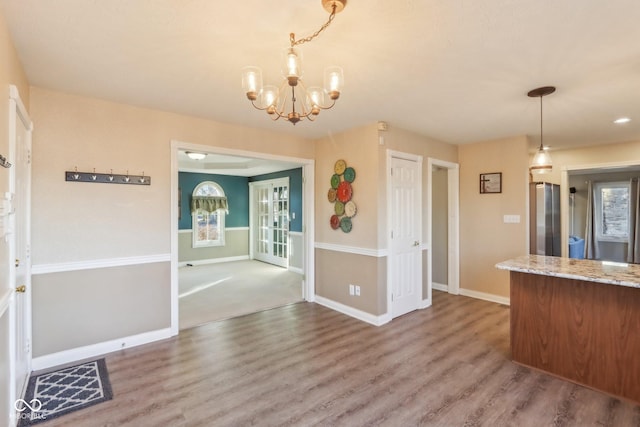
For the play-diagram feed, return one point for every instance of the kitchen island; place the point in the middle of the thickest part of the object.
(577, 319)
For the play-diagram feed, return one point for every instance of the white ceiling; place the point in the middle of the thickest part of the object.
(232, 165)
(454, 70)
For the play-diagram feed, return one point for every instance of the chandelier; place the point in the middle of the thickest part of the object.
(541, 162)
(293, 96)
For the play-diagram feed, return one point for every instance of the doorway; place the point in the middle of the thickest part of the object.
(404, 191)
(304, 238)
(269, 221)
(443, 260)
(18, 236)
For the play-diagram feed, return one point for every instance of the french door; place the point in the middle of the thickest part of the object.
(269, 228)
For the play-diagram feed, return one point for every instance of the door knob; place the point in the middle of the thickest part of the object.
(416, 243)
(17, 262)
(21, 289)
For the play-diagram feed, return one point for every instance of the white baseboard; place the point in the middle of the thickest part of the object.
(425, 303)
(80, 353)
(484, 296)
(296, 270)
(440, 287)
(353, 312)
(214, 260)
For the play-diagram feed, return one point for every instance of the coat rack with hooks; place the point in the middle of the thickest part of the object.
(3, 162)
(107, 178)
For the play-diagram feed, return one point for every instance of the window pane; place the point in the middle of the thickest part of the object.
(615, 212)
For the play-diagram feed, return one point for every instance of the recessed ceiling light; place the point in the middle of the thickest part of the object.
(622, 120)
(196, 156)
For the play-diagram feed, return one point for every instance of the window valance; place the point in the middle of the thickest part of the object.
(209, 204)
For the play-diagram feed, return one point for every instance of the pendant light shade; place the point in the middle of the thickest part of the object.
(541, 162)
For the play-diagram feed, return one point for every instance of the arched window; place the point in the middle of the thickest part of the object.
(208, 208)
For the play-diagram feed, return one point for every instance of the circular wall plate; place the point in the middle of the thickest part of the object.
(335, 180)
(350, 209)
(349, 174)
(331, 195)
(339, 208)
(344, 192)
(345, 224)
(334, 222)
(340, 166)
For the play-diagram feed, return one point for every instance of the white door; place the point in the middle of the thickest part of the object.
(19, 224)
(405, 257)
(270, 225)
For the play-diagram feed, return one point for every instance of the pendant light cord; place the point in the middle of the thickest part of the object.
(541, 134)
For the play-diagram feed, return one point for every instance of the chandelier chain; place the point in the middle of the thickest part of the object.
(295, 42)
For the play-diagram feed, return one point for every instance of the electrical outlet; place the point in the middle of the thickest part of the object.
(357, 291)
(351, 290)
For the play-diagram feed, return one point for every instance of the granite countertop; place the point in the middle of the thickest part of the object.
(578, 269)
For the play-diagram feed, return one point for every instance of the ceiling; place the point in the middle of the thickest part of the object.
(221, 164)
(455, 70)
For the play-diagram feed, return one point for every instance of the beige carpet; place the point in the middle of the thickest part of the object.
(220, 291)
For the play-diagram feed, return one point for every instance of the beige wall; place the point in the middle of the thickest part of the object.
(11, 73)
(95, 221)
(100, 305)
(358, 148)
(592, 155)
(363, 149)
(484, 238)
(75, 222)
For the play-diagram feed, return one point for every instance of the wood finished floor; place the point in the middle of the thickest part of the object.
(304, 364)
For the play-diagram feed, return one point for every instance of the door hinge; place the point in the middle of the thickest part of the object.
(391, 297)
(392, 234)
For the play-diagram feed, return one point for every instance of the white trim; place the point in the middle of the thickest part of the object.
(391, 154)
(453, 225)
(440, 287)
(254, 208)
(296, 270)
(5, 301)
(226, 229)
(372, 319)
(98, 263)
(352, 249)
(485, 296)
(93, 350)
(296, 233)
(214, 260)
(308, 189)
(20, 108)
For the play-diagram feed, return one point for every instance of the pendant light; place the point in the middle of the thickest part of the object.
(541, 162)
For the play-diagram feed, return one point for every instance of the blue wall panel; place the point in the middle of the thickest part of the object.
(236, 188)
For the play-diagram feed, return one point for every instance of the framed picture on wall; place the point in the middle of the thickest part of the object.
(491, 182)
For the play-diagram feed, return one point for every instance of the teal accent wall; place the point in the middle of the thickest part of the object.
(236, 188)
(295, 193)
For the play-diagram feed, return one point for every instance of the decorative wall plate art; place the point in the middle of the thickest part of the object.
(341, 195)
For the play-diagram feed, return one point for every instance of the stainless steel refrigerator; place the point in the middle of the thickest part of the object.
(544, 219)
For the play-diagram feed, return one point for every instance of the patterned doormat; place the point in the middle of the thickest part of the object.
(54, 394)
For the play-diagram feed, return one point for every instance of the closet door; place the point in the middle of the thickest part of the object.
(270, 225)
